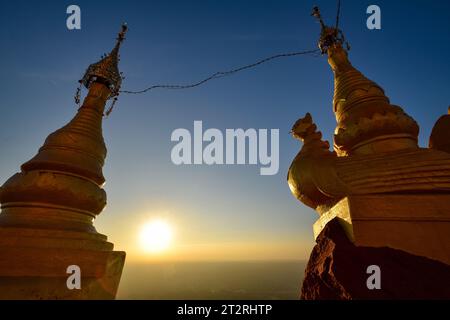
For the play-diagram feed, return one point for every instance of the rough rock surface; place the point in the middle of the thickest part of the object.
(337, 270)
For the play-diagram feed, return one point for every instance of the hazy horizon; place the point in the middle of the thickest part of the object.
(222, 280)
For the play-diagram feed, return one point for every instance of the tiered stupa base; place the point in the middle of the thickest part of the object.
(34, 262)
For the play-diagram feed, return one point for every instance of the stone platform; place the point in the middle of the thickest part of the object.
(418, 224)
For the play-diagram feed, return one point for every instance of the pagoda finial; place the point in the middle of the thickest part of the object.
(106, 71)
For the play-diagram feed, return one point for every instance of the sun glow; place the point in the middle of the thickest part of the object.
(156, 236)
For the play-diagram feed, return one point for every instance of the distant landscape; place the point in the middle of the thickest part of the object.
(267, 280)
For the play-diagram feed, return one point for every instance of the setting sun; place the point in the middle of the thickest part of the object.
(156, 236)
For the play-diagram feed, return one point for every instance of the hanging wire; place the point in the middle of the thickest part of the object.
(221, 74)
(111, 107)
(338, 14)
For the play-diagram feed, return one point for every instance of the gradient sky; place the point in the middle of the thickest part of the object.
(218, 212)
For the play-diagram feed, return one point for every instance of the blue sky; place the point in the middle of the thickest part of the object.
(185, 41)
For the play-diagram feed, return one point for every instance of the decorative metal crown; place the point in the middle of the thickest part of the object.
(329, 36)
(106, 71)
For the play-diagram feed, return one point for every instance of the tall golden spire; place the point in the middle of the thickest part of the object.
(366, 121)
(65, 177)
(106, 71)
(47, 209)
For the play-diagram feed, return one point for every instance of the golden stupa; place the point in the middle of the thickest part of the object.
(46, 222)
(383, 188)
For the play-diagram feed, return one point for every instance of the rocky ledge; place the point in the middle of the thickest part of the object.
(338, 270)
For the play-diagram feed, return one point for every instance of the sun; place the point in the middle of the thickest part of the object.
(156, 236)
